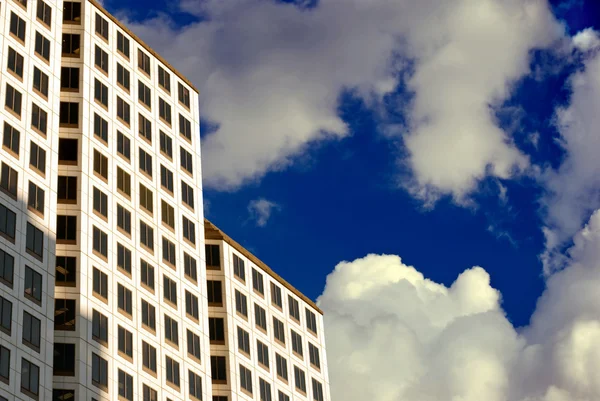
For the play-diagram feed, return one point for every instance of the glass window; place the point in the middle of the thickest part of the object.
(99, 372)
(99, 327)
(66, 271)
(15, 62)
(42, 46)
(35, 241)
(65, 314)
(171, 330)
(72, 12)
(40, 82)
(69, 79)
(35, 200)
(101, 26)
(122, 44)
(31, 331)
(30, 378)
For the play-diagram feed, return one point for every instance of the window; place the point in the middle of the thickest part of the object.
(240, 303)
(164, 79)
(186, 161)
(169, 252)
(123, 76)
(101, 93)
(193, 345)
(276, 295)
(313, 353)
(219, 398)
(31, 331)
(144, 62)
(125, 386)
(191, 305)
(148, 356)
(189, 267)
(122, 44)
(99, 372)
(294, 308)
(13, 100)
(44, 13)
(148, 315)
(8, 180)
(100, 283)
(33, 285)
(149, 394)
(40, 82)
(172, 371)
(66, 229)
(100, 202)
(123, 145)
(4, 364)
(183, 95)
(195, 382)
(164, 111)
(218, 367)
(265, 390)
(238, 267)
(71, 45)
(37, 157)
(166, 179)
(263, 354)
(213, 257)
(260, 316)
(278, 330)
(124, 299)
(7, 268)
(100, 327)
(246, 379)
(101, 128)
(123, 181)
(30, 378)
(69, 114)
(123, 219)
(123, 111)
(281, 364)
(64, 359)
(72, 12)
(257, 281)
(166, 145)
(5, 315)
(170, 290)
(185, 127)
(145, 128)
(66, 271)
(145, 162)
(11, 139)
(317, 390)
(147, 274)
(147, 236)
(35, 199)
(311, 321)
(17, 26)
(296, 343)
(187, 194)
(216, 329)
(67, 151)
(100, 164)
(283, 397)
(69, 79)
(299, 379)
(124, 259)
(167, 213)
(35, 240)
(144, 94)
(243, 341)
(42, 46)
(101, 59)
(39, 119)
(125, 340)
(101, 26)
(67, 189)
(15, 62)
(62, 395)
(64, 314)
(189, 230)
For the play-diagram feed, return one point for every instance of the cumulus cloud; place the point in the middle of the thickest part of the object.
(271, 75)
(260, 211)
(573, 189)
(393, 335)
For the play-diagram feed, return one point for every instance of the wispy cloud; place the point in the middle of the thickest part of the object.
(260, 211)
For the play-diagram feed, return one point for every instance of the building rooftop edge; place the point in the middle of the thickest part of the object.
(121, 25)
(213, 232)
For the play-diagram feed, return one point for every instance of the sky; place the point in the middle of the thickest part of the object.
(427, 171)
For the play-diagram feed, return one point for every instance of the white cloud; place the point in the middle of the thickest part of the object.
(587, 39)
(261, 209)
(573, 189)
(393, 335)
(271, 74)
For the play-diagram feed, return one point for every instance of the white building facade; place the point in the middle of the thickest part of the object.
(104, 289)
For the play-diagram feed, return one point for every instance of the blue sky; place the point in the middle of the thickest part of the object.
(334, 194)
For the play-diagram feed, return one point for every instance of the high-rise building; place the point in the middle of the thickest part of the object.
(105, 291)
